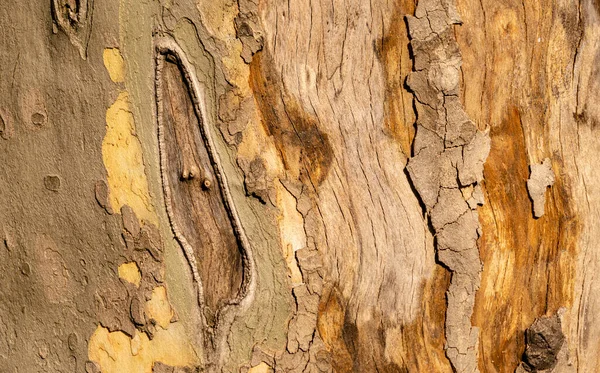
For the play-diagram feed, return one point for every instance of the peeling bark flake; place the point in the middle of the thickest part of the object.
(541, 177)
(544, 339)
(447, 167)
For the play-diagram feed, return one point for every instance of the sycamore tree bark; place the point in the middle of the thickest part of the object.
(299, 186)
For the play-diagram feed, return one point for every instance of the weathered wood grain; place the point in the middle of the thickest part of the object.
(532, 98)
(74, 18)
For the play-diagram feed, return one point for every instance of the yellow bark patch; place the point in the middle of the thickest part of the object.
(291, 231)
(115, 64)
(238, 72)
(130, 273)
(122, 156)
(158, 307)
(256, 143)
(261, 368)
(117, 353)
(218, 17)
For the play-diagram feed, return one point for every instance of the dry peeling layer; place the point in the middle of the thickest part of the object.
(544, 340)
(74, 18)
(447, 167)
(541, 178)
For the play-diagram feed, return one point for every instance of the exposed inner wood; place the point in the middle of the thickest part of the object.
(530, 98)
(197, 202)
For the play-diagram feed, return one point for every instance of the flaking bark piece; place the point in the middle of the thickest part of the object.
(460, 235)
(544, 338)
(460, 130)
(448, 172)
(474, 156)
(130, 221)
(450, 206)
(444, 76)
(541, 177)
(418, 28)
(426, 138)
(426, 93)
(477, 198)
(159, 367)
(424, 171)
(101, 192)
(446, 167)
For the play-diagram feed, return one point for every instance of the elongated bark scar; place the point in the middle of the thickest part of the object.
(198, 201)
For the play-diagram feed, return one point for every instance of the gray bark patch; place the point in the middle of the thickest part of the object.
(447, 167)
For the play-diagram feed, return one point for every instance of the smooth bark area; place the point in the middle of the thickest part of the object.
(303, 186)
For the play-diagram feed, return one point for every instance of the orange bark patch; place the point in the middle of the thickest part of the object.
(529, 263)
(392, 51)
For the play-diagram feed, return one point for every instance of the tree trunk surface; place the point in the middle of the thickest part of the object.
(303, 186)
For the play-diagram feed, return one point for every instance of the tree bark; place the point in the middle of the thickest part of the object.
(319, 186)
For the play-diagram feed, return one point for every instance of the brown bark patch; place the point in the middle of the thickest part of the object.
(423, 340)
(330, 323)
(529, 263)
(305, 149)
(597, 6)
(414, 347)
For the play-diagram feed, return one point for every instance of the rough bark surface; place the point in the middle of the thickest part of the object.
(343, 226)
(447, 169)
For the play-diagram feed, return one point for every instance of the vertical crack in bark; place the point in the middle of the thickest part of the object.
(198, 201)
(447, 168)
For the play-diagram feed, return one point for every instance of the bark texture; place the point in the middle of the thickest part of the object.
(306, 186)
(447, 169)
